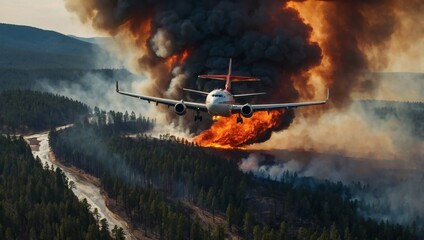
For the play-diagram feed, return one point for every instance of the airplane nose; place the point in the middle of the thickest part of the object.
(212, 108)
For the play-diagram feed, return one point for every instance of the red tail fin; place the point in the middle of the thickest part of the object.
(228, 80)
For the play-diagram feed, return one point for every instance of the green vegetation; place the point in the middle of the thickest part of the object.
(108, 123)
(23, 111)
(37, 202)
(158, 183)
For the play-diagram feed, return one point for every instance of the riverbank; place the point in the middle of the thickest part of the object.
(85, 186)
(110, 203)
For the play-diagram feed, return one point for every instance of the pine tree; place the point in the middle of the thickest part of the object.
(334, 234)
(229, 213)
(104, 228)
(282, 231)
(118, 233)
(247, 224)
(195, 230)
(257, 232)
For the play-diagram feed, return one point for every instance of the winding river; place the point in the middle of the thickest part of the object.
(83, 188)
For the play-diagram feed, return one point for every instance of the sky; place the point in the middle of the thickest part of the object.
(45, 14)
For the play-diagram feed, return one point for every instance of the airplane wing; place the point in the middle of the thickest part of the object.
(248, 94)
(268, 107)
(196, 91)
(169, 102)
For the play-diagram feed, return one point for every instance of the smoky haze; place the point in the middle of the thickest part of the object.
(264, 38)
(391, 189)
(298, 49)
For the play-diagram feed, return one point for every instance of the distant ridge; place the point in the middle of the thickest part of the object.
(93, 40)
(30, 47)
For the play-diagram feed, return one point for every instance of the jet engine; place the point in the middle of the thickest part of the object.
(247, 111)
(180, 108)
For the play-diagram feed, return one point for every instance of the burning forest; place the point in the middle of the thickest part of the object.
(297, 48)
(349, 169)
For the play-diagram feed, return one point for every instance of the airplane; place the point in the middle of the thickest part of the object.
(221, 102)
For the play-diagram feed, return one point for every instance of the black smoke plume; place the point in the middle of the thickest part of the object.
(264, 38)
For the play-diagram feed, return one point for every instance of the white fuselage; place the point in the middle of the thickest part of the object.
(219, 102)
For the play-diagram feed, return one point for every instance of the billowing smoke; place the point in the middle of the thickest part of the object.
(357, 37)
(94, 88)
(393, 195)
(298, 49)
(264, 38)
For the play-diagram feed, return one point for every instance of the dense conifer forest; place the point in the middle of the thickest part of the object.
(36, 202)
(23, 111)
(159, 183)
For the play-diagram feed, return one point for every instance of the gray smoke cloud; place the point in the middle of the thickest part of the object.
(394, 192)
(399, 86)
(95, 89)
(264, 38)
(268, 39)
(377, 143)
(95, 148)
(272, 42)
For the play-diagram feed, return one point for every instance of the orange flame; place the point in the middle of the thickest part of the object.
(176, 59)
(225, 133)
(170, 62)
(142, 34)
(183, 56)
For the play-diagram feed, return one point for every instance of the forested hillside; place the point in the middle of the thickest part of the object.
(28, 48)
(159, 184)
(36, 202)
(23, 111)
(107, 123)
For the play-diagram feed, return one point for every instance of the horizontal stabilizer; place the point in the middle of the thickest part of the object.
(233, 78)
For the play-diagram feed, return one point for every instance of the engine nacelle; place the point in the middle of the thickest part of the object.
(180, 108)
(246, 111)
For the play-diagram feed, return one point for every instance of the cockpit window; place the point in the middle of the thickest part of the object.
(217, 95)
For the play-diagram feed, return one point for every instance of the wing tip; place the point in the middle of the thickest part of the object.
(328, 95)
